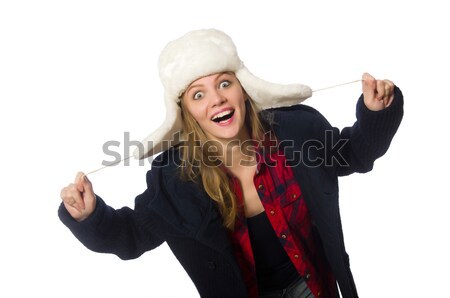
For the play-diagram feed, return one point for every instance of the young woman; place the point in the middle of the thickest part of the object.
(247, 195)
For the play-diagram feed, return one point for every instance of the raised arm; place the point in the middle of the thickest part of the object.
(379, 112)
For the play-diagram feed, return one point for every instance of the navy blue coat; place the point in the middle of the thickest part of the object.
(182, 214)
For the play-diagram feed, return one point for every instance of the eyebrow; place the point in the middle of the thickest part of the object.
(192, 86)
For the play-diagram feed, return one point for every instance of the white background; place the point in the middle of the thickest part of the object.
(76, 74)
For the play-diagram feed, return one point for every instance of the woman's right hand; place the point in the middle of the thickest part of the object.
(79, 198)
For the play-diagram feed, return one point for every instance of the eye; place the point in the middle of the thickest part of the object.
(198, 95)
(224, 84)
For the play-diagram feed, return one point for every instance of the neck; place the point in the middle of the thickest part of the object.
(239, 155)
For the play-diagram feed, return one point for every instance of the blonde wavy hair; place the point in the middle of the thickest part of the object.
(199, 163)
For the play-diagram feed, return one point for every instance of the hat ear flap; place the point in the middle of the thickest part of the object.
(164, 136)
(269, 95)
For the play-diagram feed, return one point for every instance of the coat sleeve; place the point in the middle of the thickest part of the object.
(370, 136)
(124, 232)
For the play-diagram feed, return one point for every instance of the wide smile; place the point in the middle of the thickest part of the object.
(224, 117)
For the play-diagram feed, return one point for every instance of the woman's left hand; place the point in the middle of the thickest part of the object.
(378, 94)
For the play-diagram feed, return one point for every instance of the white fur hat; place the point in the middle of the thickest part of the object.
(198, 54)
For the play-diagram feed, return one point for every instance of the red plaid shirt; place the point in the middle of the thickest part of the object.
(285, 207)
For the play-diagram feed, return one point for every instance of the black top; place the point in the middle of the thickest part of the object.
(274, 269)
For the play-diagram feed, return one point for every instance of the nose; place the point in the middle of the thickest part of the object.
(217, 98)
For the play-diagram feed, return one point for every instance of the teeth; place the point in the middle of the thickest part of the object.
(221, 114)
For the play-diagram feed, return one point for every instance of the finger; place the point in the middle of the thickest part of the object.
(369, 86)
(80, 188)
(381, 91)
(389, 92)
(87, 186)
(88, 195)
(73, 210)
(79, 200)
(389, 87)
(65, 197)
(79, 181)
(69, 200)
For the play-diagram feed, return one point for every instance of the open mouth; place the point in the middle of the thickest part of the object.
(222, 117)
